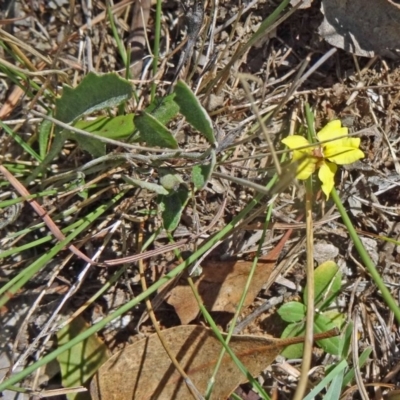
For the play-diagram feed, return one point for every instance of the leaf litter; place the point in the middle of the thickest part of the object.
(359, 91)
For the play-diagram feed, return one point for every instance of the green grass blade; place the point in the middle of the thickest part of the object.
(329, 378)
(23, 277)
(21, 142)
(335, 388)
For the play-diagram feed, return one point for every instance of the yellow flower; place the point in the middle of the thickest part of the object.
(340, 150)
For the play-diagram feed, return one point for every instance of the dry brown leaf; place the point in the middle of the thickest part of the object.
(144, 371)
(220, 287)
(364, 28)
(221, 284)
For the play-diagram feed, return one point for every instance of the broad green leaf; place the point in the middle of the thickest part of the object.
(294, 350)
(152, 187)
(118, 127)
(193, 111)
(153, 132)
(94, 93)
(328, 281)
(163, 109)
(292, 311)
(109, 127)
(322, 324)
(172, 206)
(93, 146)
(79, 363)
(337, 318)
(201, 173)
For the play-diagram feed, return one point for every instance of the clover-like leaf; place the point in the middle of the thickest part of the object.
(292, 311)
(328, 281)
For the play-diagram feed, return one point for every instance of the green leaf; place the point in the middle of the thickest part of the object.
(345, 340)
(335, 388)
(94, 147)
(94, 93)
(294, 350)
(78, 183)
(328, 281)
(163, 109)
(201, 173)
(337, 318)
(325, 381)
(110, 127)
(172, 206)
(292, 311)
(43, 137)
(153, 132)
(118, 127)
(169, 179)
(152, 187)
(193, 111)
(18, 139)
(322, 324)
(79, 363)
(361, 361)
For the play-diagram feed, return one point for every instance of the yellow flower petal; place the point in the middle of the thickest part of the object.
(307, 162)
(296, 141)
(343, 154)
(306, 167)
(326, 174)
(332, 130)
(341, 151)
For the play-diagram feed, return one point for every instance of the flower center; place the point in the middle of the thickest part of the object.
(318, 152)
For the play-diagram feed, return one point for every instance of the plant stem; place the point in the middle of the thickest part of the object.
(309, 333)
(156, 49)
(369, 265)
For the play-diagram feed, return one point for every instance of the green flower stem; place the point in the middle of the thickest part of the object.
(389, 300)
